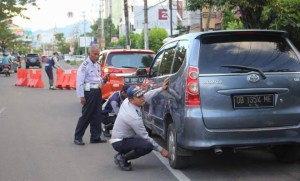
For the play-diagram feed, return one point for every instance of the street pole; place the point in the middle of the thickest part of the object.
(85, 52)
(171, 18)
(100, 25)
(146, 25)
(126, 24)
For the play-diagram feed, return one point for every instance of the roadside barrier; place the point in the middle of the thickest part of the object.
(35, 78)
(22, 77)
(66, 79)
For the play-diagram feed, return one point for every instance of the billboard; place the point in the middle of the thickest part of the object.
(158, 16)
(85, 41)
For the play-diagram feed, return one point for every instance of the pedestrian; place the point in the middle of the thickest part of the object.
(88, 88)
(50, 64)
(110, 109)
(6, 64)
(129, 136)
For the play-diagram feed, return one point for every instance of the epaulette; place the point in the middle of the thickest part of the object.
(85, 63)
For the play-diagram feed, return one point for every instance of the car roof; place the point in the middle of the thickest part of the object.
(128, 51)
(224, 32)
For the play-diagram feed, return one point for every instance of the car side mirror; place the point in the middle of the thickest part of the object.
(141, 72)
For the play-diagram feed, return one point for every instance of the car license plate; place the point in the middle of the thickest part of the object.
(133, 80)
(253, 101)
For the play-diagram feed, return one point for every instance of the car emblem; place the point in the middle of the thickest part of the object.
(253, 78)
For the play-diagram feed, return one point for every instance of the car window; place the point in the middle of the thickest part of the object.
(132, 60)
(270, 53)
(179, 55)
(156, 64)
(166, 63)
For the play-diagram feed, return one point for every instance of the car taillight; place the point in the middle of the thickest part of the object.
(192, 87)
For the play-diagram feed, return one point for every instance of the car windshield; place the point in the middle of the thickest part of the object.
(268, 53)
(133, 60)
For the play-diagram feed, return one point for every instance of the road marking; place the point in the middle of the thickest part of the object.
(178, 174)
(2, 109)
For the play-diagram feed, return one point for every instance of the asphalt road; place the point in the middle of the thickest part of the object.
(36, 144)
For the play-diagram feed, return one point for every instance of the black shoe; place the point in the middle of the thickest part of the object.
(122, 163)
(98, 140)
(106, 133)
(127, 163)
(79, 142)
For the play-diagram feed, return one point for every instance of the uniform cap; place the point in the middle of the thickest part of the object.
(134, 91)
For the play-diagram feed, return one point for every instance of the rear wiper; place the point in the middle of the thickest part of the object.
(247, 68)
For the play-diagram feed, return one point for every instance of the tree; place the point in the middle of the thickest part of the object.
(156, 37)
(250, 10)
(7, 38)
(62, 45)
(12, 8)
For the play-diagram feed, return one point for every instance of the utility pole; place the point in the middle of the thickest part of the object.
(100, 25)
(146, 36)
(85, 52)
(126, 24)
(171, 18)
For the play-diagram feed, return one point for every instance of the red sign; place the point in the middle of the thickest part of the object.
(162, 14)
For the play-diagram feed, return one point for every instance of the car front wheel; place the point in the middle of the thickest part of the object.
(287, 153)
(175, 160)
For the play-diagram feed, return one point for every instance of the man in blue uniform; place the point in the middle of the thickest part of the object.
(52, 63)
(129, 136)
(88, 88)
(110, 109)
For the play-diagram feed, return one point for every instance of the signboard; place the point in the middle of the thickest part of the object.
(85, 41)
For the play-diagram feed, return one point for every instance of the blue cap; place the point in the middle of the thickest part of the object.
(135, 91)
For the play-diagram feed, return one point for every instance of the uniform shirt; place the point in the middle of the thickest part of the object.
(129, 122)
(52, 62)
(88, 72)
(113, 103)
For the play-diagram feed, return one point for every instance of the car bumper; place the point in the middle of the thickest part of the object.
(194, 135)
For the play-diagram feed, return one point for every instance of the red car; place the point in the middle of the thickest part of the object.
(121, 65)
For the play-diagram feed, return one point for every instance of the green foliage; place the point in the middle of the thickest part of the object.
(62, 45)
(156, 37)
(235, 25)
(12, 8)
(7, 38)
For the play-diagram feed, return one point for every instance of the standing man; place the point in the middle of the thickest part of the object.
(110, 109)
(88, 88)
(52, 63)
(129, 136)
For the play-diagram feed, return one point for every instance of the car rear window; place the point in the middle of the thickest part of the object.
(32, 55)
(132, 60)
(270, 53)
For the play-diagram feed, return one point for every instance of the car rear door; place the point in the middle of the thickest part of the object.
(249, 80)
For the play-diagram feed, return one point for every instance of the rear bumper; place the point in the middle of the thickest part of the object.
(193, 135)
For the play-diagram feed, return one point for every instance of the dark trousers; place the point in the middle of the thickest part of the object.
(49, 72)
(108, 119)
(139, 145)
(91, 115)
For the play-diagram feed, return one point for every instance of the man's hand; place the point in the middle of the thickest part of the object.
(165, 84)
(164, 153)
(82, 100)
(105, 78)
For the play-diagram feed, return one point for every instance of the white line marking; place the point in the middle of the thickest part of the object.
(2, 109)
(178, 174)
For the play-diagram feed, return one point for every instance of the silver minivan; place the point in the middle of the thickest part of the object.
(228, 89)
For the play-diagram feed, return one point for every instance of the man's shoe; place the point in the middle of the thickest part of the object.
(122, 163)
(106, 133)
(79, 142)
(127, 163)
(98, 141)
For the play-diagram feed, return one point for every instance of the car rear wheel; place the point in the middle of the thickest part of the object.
(175, 160)
(287, 153)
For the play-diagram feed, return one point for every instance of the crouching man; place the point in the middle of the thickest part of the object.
(129, 136)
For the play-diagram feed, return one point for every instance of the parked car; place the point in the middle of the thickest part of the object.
(227, 89)
(121, 65)
(33, 59)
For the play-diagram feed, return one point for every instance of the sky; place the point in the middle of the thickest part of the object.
(54, 13)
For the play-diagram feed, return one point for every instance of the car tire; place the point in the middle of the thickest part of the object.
(27, 67)
(175, 160)
(287, 153)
